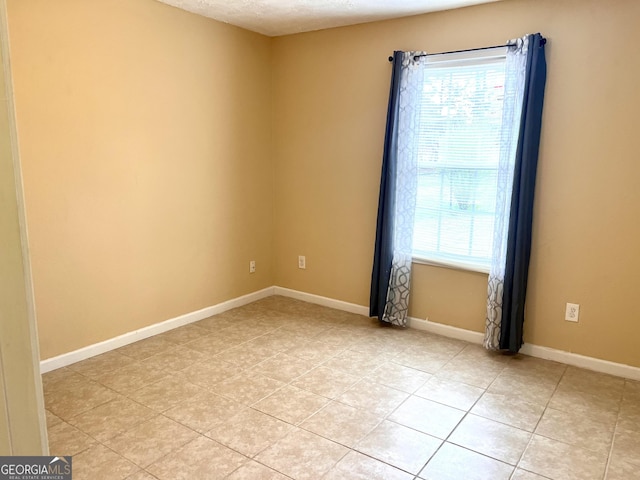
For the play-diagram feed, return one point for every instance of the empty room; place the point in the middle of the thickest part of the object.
(311, 239)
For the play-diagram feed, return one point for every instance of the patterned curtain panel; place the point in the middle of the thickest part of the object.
(520, 139)
(391, 274)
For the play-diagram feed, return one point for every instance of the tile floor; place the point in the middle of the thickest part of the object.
(283, 389)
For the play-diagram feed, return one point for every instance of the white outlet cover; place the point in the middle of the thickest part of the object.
(572, 313)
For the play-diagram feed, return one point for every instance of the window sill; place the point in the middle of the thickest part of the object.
(451, 264)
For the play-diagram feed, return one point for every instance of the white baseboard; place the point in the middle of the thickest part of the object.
(582, 361)
(324, 301)
(136, 335)
(590, 363)
(446, 330)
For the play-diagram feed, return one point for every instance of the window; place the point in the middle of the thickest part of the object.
(459, 146)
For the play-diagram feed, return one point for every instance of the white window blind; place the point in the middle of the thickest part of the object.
(459, 144)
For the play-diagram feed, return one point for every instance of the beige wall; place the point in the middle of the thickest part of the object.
(152, 176)
(22, 422)
(145, 137)
(330, 94)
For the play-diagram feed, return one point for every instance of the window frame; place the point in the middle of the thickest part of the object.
(466, 58)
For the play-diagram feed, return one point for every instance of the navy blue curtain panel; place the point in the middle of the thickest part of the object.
(383, 253)
(524, 182)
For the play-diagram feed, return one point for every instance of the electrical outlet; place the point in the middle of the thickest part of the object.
(252, 266)
(302, 262)
(572, 312)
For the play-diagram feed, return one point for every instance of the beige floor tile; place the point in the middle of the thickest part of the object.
(255, 327)
(302, 455)
(262, 344)
(629, 415)
(576, 429)
(200, 459)
(65, 439)
(101, 462)
(355, 466)
(520, 474)
(479, 355)
(145, 348)
(554, 459)
(249, 431)
(532, 389)
(456, 463)
(308, 327)
(427, 416)
(397, 376)
(342, 423)
(132, 377)
(78, 397)
(292, 405)
(244, 357)
(399, 446)
(425, 360)
(284, 367)
(632, 392)
(623, 468)
(151, 440)
(509, 410)
(593, 382)
(355, 363)
(255, 471)
(535, 367)
(216, 322)
(428, 342)
(626, 443)
(378, 344)
(248, 387)
(112, 418)
(630, 400)
(60, 378)
(351, 330)
(321, 354)
(175, 359)
(315, 351)
(335, 337)
(236, 335)
(326, 382)
(210, 345)
(490, 438)
(52, 419)
(208, 373)
(95, 366)
(601, 406)
(184, 334)
(279, 341)
(454, 394)
(165, 393)
(373, 397)
(474, 372)
(203, 411)
(141, 475)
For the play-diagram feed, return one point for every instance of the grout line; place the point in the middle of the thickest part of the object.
(615, 431)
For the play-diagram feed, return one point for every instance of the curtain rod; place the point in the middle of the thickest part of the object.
(542, 42)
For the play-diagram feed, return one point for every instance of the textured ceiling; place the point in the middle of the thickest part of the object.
(283, 17)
